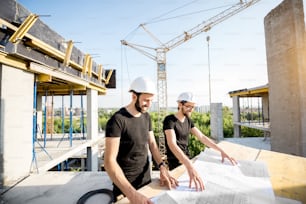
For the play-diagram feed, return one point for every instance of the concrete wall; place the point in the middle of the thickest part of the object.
(16, 114)
(216, 121)
(284, 32)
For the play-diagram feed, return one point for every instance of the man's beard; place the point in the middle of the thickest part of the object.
(186, 114)
(138, 107)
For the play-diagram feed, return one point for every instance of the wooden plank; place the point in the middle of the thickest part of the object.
(240, 152)
(288, 174)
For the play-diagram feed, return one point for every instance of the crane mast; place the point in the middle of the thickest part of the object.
(160, 55)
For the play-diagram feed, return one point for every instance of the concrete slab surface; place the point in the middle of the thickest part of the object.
(57, 188)
(67, 187)
(254, 142)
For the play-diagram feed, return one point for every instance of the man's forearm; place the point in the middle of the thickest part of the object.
(117, 176)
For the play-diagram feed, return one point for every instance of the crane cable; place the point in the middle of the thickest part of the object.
(185, 5)
(187, 14)
(160, 19)
(124, 58)
(153, 19)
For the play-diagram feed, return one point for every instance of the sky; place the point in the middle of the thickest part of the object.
(236, 55)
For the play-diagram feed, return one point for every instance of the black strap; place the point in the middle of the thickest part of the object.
(161, 164)
(108, 192)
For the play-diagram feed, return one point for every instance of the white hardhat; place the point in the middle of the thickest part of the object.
(143, 85)
(186, 97)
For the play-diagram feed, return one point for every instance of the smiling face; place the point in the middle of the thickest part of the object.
(143, 101)
(186, 108)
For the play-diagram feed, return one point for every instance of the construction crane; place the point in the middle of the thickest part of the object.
(160, 55)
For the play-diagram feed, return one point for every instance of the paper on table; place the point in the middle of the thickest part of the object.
(247, 168)
(215, 194)
(245, 183)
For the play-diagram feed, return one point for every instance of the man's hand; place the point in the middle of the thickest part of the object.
(166, 179)
(138, 198)
(231, 159)
(195, 178)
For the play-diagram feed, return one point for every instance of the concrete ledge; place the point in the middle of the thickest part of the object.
(259, 126)
(70, 153)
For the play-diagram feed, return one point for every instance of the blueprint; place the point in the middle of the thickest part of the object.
(248, 182)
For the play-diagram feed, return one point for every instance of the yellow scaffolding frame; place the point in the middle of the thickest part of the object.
(23, 28)
(21, 32)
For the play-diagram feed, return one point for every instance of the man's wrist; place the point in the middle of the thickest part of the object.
(161, 164)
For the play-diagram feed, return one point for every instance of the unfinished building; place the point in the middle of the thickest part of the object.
(284, 98)
(36, 62)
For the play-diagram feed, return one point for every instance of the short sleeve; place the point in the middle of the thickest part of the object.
(168, 123)
(113, 127)
(191, 123)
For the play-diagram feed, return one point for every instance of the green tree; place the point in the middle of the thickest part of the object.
(201, 120)
(228, 126)
(251, 132)
(104, 116)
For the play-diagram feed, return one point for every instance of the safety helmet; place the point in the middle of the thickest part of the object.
(143, 85)
(186, 97)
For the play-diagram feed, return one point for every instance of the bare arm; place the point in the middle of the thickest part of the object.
(181, 156)
(165, 177)
(210, 143)
(116, 174)
(154, 148)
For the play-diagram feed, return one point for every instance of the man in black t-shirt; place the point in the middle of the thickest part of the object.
(182, 132)
(177, 128)
(128, 135)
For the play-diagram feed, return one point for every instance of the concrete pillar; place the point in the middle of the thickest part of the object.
(83, 164)
(16, 91)
(285, 42)
(90, 161)
(216, 121)
(236, 116)
(92, 129)
(265, 107)
(39, 111)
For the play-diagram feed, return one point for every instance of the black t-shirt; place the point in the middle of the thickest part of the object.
(133, 150)
(182, 132)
